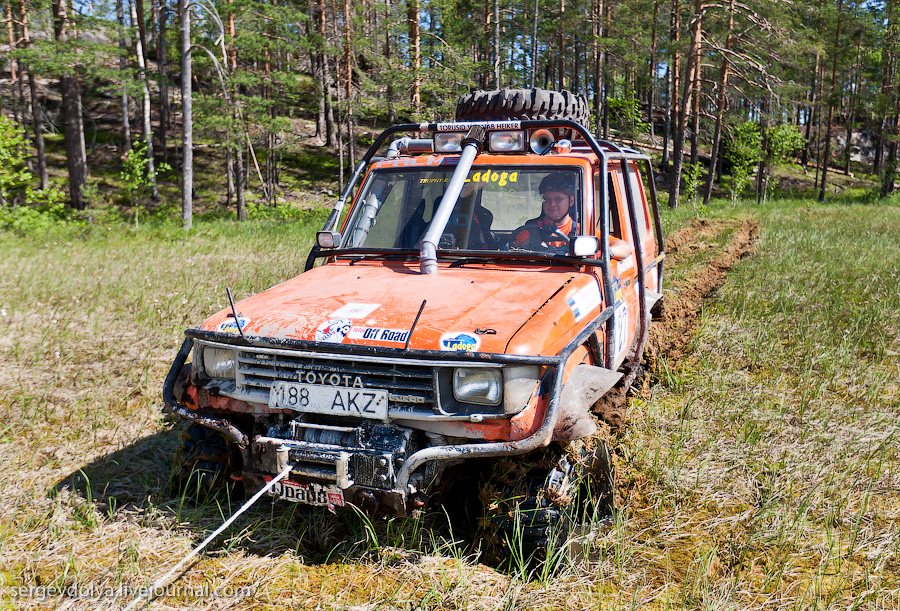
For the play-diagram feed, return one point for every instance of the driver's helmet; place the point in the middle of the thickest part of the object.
(558, 181)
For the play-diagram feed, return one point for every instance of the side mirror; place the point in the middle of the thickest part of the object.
(584, 246)
(328, 239)
(619, 249)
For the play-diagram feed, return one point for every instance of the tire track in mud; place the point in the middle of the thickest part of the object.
(672, 336)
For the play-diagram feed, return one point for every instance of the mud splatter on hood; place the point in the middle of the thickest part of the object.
(374, 303)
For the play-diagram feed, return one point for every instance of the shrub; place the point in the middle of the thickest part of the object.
(743, 151)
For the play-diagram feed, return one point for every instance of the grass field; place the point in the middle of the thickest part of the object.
(760, 471)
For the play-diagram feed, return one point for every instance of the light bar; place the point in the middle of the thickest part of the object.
(506, 142)
(448, 142)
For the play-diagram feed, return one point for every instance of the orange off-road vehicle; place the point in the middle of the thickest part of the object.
(491, 282)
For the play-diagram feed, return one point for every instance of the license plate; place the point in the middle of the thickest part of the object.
(308, 494)
(333, 400)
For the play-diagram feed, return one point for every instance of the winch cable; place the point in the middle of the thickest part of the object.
(164, 580)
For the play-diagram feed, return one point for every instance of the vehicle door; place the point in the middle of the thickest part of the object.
(639, 190)
(623, 266)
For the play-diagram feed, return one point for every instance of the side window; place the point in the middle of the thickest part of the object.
(640, 199)
(615, 226)
(618, 207)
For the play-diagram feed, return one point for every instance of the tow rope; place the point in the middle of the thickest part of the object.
(163, 581)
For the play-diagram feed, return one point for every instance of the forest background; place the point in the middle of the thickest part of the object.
(106, 100)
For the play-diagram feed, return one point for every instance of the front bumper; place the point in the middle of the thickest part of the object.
(338, 465)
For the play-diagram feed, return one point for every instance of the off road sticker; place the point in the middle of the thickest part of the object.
(230, 326)
(458, 341)
(584, 301)
(378, 334)
(355, 310)
(333, 331)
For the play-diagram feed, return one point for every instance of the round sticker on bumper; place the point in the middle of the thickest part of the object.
(460, 342)
(333, 331)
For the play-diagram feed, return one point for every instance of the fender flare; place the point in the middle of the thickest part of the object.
(585, 386)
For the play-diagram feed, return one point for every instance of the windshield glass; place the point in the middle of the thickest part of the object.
(500, 208)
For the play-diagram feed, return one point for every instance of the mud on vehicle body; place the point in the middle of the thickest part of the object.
(427, 344)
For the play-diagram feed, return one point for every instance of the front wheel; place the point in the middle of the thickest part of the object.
(530, 505)
(202, 463)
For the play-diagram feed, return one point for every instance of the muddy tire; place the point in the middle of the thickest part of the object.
(507, 104)
(527, 509)
(202, 463)
(530, 508)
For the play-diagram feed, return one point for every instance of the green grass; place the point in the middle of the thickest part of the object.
(761, 472)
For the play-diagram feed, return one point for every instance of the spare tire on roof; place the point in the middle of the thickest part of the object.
(524, 104)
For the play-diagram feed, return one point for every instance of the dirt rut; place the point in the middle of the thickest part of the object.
(671, 337)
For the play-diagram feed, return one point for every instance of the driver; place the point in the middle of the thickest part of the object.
(555, 227)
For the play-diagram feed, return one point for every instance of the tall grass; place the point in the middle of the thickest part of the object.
(761, 471)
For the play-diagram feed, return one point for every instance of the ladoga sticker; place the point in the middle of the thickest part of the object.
(378, 334)
(230, 326)
(333, 331)
(584, 300)
(460, 342)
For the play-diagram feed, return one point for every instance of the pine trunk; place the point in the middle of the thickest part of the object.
(37, 115)
(827, 154)
(496, 44)
(720, 107)
(165, 110)
(651, 75)
(73, 127)
(187, 133)
(415, 52)
(696, 49)
(804, 155)
(137, 18)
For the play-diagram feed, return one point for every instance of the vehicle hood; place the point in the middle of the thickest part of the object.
(471, 308)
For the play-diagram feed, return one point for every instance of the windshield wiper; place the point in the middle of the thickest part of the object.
(363, 254)
(519, 257)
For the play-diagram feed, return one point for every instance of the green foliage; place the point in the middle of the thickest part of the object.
(46, 209)
(23, 209)
(743, 151)
(693, 178)
(783, 141)
(625, 116)
(257, 212)
(13, 174)
(136, 176)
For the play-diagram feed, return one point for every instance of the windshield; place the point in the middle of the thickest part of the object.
(500, 208)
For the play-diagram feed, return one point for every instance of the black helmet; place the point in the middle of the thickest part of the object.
(558, 181)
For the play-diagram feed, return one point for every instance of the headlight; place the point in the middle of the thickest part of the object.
(519, 383)
(481, 386)
(218, 363)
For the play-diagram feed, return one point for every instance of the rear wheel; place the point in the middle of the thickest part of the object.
(202, 464)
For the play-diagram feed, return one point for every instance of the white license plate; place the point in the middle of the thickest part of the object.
(334, 400)
(308, 494)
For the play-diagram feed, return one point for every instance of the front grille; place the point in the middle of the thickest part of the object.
(412, 383)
